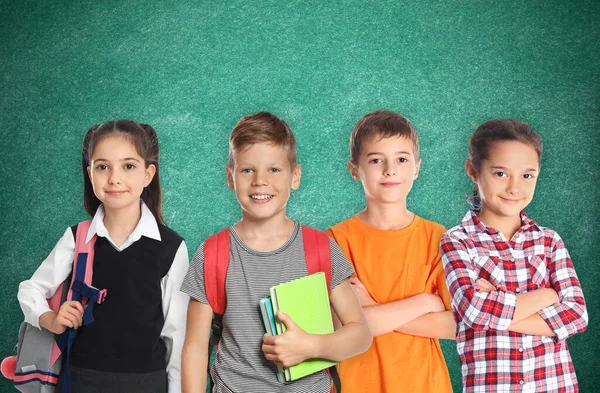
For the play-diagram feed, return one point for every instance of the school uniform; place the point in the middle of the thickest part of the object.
(135, 342)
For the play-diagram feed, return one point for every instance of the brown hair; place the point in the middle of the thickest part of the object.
(383, 124)
(145, 140)
(499, 130)
(262, 127)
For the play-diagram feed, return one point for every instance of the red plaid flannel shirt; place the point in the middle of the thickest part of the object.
(494, 359)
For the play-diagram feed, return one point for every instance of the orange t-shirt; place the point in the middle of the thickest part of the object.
(394, 265)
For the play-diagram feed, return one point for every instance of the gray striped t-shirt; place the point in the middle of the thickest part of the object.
(240, 365)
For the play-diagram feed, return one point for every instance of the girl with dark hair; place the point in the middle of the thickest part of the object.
(134, 343)
(515, 294)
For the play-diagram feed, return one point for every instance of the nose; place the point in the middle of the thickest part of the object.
(259, 179)
(115, 177)
(389, 170)
(512, 186)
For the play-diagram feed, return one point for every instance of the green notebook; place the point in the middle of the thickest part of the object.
(306, 301)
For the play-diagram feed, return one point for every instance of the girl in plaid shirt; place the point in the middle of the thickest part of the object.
(515, 294)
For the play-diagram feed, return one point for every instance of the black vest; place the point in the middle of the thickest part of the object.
(125, 336)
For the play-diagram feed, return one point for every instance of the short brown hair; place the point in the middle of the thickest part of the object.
(384, 124)
(262, 127)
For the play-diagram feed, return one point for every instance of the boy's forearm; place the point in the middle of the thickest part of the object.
(193, 370)
(534, 325)
(530, 303)
(432, 325)
(350, 340)
(387, 317)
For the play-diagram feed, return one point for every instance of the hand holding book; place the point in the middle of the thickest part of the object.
(294, 339)
(292, 347)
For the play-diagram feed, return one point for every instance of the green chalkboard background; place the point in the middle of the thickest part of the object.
(193, 68)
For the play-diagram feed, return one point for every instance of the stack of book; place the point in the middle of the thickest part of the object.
(306, 301)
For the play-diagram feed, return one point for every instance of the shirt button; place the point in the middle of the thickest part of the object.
(521, 382)
(520, 349)
(517, 290)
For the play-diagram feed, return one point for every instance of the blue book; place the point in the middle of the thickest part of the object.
(268, 317)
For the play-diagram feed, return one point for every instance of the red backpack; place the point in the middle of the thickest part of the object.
(216, 261)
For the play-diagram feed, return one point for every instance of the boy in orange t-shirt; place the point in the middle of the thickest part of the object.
(400, 279)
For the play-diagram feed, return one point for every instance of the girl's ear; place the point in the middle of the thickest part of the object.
(353, 170)
(150, 171)
(471, 172)
(229, 177)
(296, 175)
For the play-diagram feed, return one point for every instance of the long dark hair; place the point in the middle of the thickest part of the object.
(499, 130)
(145, 140)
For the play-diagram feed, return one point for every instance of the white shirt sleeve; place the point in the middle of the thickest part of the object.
(33, 293)
(174, 305)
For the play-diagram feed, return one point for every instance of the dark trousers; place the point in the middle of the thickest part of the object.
(84, 380)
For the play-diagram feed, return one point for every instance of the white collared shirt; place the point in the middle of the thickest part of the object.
(58, 266)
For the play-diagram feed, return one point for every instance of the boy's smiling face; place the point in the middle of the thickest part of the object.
(262, 177)
(387, 168)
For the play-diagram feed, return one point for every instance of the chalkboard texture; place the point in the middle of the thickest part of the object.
(191, 69)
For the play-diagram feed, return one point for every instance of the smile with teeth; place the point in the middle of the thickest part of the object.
(261, 197)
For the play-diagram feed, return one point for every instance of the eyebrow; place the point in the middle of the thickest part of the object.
(397, 152)
(505, 169)
(250, 164)
(124, 159)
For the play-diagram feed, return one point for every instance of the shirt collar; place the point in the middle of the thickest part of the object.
(472, 223)
(147, 226)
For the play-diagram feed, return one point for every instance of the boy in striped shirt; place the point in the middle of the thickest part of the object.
(266, 249)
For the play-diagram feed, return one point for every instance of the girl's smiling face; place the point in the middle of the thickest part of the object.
(506, 180)
(118, 173)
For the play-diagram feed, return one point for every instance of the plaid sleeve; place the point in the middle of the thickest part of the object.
(570, 316)
(478, 310)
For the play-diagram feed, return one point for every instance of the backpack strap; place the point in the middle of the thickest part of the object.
(216, 263)
(81, 290)
(318, 259)
(317, 253)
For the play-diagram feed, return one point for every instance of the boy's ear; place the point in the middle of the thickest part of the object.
(353, 170)
(296, 175)
(229, 177)
(471, 172)
(150, 172)
(417, 168)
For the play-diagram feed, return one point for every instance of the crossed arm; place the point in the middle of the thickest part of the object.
(421, 315)
(558, 311)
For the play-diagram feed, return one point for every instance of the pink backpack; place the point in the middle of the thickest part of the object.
(39, 359)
